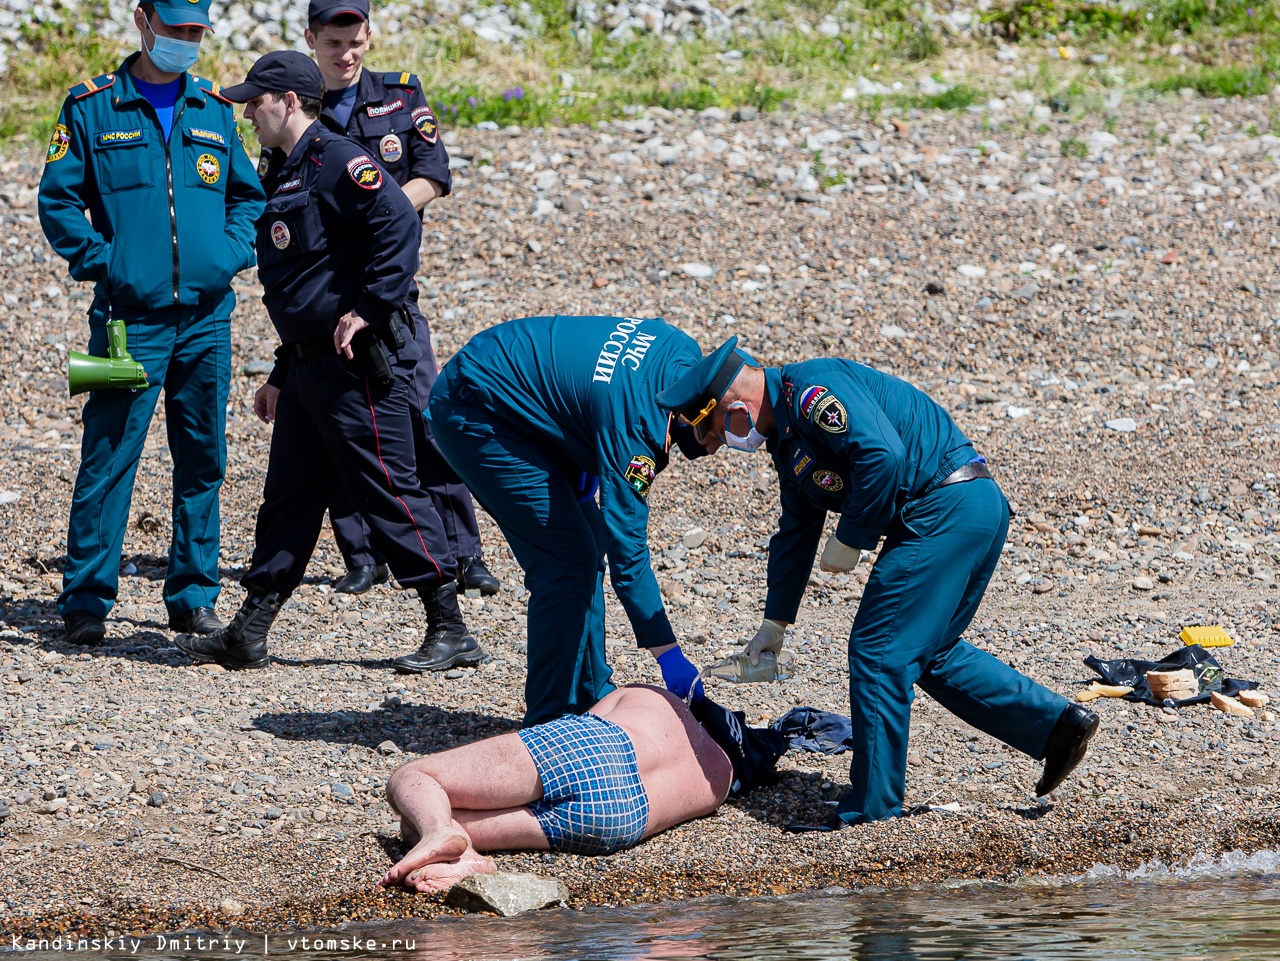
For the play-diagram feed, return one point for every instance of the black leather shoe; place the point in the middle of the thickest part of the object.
(1067, 745)
(198, 620)
(360, 579)
(242, 643)
(474, 576)
(84, 628)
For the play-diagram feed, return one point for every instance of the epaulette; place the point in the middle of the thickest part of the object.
(86, 87)
(209, 86)
(409, 80)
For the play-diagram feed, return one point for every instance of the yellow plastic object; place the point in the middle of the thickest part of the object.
(1206, 636)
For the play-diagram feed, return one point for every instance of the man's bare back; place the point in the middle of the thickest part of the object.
(477, 797)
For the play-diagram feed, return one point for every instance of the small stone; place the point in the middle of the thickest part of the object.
(54, 806)
(971, 270)
(453, 675)
(273, 814)
(698, 271)
(4, 811)
(1014, 413)
(1143, 584)
(934, 289)
(319, 814)
(23, 797)
(230, 908)
(9, 497)
(534, 246)
(258, 368)
(694, 538)
(506, 894)
(389, 747)
(342, 790)
(746, 113)
(392, 702)
(1042, 588)
(139, 786)
(25, 677)
(893, 332)
(1125, 425)
(157, 799)
(573, 204)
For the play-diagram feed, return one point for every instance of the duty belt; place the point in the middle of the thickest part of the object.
(313, 348)
(970, 471)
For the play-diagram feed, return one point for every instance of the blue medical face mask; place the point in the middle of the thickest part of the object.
(170, 55)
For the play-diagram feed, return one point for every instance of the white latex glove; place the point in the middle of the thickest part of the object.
(770, 637)
(840, 558)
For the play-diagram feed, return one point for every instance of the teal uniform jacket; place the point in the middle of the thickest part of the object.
(855, 441)
(585, 387)
(108, 156)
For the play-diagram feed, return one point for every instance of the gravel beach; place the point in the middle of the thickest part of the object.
(1094, 300)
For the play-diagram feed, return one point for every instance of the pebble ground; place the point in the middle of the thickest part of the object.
(1094, 301)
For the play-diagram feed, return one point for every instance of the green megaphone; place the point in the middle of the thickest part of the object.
(117, 369)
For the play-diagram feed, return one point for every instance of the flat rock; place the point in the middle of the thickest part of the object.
(507, 894)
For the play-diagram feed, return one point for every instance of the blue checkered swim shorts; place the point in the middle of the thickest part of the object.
(592, 798)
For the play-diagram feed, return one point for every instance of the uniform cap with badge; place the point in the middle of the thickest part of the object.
(320, 12)
(279, 72)
(694, 397)
(184, 13)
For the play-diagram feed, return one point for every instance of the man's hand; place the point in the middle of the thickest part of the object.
(350, 325)
(678, 672)
(770, 637)
(264, 403)
(840, 558)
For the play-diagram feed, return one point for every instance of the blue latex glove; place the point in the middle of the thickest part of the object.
(678, 672)
(585, 487)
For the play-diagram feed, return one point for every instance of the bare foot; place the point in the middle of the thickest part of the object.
(448, 844)
(443, 875)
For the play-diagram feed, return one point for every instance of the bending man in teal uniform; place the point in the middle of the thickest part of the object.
(153, 156)
(893, 465)
(538, 415)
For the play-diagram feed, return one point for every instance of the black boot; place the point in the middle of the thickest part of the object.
(1068, 742)
(84, 628)
(474, 576)
(362, 577)
(448, 643)
(242, 643)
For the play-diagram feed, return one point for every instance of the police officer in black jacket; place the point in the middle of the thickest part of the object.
(388, 115)
(337, 251)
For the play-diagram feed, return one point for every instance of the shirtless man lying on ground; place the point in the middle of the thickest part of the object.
(637, 763)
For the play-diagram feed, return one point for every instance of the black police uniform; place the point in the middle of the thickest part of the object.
(337, 235)
(391, 119)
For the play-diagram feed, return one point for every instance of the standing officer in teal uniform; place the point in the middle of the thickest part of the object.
(538, 415)
(152, 154)
(388, 115)
(892, 464)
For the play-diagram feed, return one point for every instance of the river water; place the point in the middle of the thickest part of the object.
(1227, 909)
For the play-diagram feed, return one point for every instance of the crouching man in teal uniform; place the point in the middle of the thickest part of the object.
(152, 154)
(893, 465)
(537, 415)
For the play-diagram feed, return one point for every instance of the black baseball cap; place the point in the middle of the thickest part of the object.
(320, 12)
(279, 72)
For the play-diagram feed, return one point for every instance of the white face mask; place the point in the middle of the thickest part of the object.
(752, 442)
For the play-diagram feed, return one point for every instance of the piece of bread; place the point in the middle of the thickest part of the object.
(1254, 699)
(1175, 685)
(1096, 690)
(1229, 705)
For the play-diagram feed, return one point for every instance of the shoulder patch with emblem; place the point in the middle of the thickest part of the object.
(640, 473)
(86, 87)
(828, 480)
(809, 398)
(425, 122)
(829, 414)
(59, 143)
(364, 172)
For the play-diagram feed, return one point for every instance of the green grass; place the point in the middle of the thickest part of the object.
(1231, 48)
(1219, 82)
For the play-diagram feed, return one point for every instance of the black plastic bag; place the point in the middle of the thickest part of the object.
(1131, 672)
